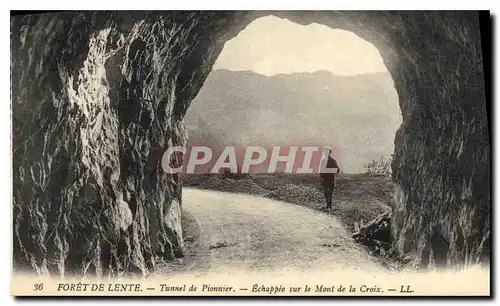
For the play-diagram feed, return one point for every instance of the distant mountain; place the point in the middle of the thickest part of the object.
(358, 115)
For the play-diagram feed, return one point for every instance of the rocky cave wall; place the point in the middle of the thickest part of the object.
(98, 96)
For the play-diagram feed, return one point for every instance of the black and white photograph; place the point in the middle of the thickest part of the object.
(251, 153)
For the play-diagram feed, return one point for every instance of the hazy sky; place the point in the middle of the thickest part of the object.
(271, 45)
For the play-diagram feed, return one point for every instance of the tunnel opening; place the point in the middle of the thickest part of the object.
(282, 84)
(278, 83)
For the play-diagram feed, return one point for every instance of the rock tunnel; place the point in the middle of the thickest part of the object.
(96, 96)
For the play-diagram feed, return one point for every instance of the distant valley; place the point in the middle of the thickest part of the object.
(357, 115)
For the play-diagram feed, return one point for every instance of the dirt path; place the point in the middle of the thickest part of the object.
(245, 232)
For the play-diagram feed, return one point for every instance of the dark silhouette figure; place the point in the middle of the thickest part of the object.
(328, 180)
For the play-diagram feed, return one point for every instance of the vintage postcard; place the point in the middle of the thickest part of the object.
(251, 153)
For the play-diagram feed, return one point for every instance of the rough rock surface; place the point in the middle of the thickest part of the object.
(97, 96)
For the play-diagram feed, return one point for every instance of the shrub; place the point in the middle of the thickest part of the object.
(381, 166)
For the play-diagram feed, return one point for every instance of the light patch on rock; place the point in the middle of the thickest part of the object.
(123, 215)
(173, 220)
